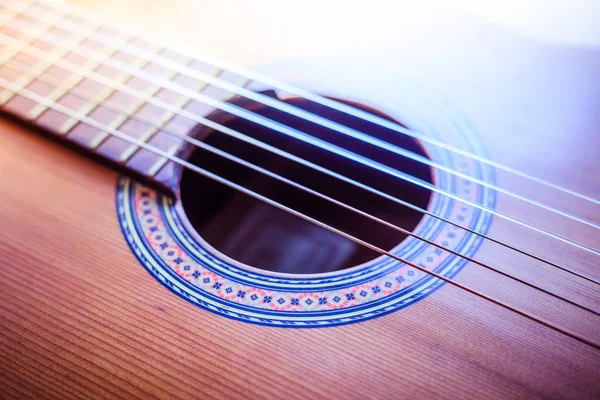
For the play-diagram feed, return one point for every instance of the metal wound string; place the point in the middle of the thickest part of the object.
(322, 121)
(65, 110)
(214, 150)
(253, 117)
(345, 109)
(223, 129)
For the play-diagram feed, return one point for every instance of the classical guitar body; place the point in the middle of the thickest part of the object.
(429, 227)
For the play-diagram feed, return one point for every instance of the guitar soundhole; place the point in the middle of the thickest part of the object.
(259, 235)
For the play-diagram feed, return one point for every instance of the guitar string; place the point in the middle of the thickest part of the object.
(333, 104)
(223, 129)
(277, 104)
(214, 150)
(107, 82)
(253, 117)
(81, 117)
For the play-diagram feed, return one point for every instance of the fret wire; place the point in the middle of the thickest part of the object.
(242, 81)
(123, 117)
(161, 162)
(93, 103)
(131, 113)
(28, 93)
(12, 11)
(103, 80)
(146, 136)
(65, 86)
(38, 29)
(132, 150)
(42, 64)
(151, 56)
(158, 164)
(103, 136)
(180, 105)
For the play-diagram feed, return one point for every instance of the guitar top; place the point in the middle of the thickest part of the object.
(389, 205)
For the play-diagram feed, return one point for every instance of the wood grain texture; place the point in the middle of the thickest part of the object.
(81, 318)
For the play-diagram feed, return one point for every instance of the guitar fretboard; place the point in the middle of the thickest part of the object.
(96, 72)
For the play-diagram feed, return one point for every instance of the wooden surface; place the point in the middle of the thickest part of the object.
(82, 319)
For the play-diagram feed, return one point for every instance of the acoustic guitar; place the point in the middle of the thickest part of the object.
(409, 206)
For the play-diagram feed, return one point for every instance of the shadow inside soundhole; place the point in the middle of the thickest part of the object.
(262, 236)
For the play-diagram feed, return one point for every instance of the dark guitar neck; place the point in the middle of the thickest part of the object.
(90, 75)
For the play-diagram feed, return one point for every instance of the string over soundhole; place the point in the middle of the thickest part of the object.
(262, 236)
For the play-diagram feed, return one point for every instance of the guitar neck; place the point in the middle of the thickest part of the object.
(70, 70)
